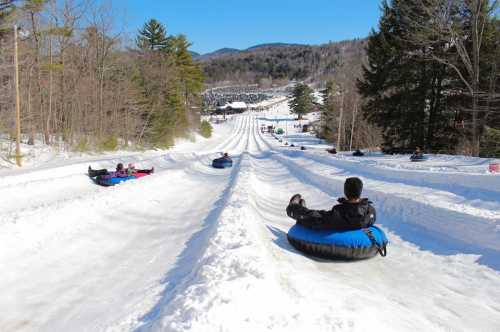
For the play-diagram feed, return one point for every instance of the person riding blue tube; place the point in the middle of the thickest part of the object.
(223, 162)
(352, 212)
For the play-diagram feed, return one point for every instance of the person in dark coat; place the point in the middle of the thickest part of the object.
(352, 212)
(105, 174)
(225, 157)
(358, 153)
(417, 154)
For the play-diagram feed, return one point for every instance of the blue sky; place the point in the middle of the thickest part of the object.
(213, 24)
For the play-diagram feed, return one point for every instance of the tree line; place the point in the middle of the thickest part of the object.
(278, 64)
(340, 121)
(84, 86)
(431, 79)
(428, 79)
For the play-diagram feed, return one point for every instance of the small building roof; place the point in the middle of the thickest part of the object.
(238, 105)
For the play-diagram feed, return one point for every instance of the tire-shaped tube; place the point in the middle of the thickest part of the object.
(342, 245)
(222, 163)
(100, 180)
(418, 158)
(112, 181)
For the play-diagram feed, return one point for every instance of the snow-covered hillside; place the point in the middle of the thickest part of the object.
(193, 248)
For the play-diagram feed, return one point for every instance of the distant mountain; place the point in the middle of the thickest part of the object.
(274, 45)
(194, 54)
(284, 62)
(218, 53)
(231, 51)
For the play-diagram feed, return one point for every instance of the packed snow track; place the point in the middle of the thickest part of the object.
(193, 248)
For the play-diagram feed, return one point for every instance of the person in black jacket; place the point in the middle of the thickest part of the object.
(352, 212)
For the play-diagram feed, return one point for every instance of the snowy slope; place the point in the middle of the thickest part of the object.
(192, 248)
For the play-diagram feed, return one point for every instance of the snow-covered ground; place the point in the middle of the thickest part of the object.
(192, 248)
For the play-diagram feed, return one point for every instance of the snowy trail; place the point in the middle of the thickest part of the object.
(251, 271)
(94, 230)
(192, 248)
(29, 190)
(470, 187)
(433, 219)
(373, 277)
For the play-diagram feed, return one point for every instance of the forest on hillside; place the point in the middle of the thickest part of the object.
(83, 86)
(415, 81)
(426, 77)
(432, 77)
(337, 64)
(275, 64)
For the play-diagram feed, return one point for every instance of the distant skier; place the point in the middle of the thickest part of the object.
(352, 213)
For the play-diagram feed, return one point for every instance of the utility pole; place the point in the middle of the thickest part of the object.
(352, 126)
(339, 136)
(18, 101)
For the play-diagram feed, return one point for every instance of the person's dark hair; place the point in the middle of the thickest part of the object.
(225, 154)
(353, 188)
(119, 167)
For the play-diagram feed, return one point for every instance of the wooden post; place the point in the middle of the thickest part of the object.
(18, 101)
(339, 136)
(352, 126)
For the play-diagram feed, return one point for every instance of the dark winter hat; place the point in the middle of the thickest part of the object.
(119, 167)
(353, 188)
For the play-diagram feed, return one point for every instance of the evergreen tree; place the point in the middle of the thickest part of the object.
(462, 37)
(490, 144)
(169, 85)
(152, 36)
(6, 8)
(328, 112)
(170, 119)
(302, 100)
(190, 73)
(405, 94)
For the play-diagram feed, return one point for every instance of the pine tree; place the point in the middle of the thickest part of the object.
(6, 6)
(460, 36)
(152, 36)
(405, 94)
(302, 101)
(190, 73)
(328, 112)
(169, 84)
(6, 9)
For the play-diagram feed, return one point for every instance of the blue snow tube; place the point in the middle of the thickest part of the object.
(222, 163)
(344, 245)
(112, 181)
(418, 158)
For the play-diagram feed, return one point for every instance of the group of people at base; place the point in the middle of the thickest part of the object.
(120, 172)
(352, 212)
